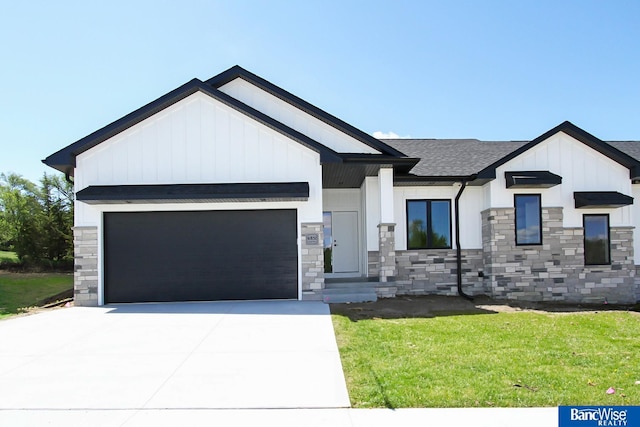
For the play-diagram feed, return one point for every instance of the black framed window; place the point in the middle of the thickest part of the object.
(596, 240)
(528, 219)
(429, 224)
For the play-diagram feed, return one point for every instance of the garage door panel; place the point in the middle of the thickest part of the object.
(198, 256)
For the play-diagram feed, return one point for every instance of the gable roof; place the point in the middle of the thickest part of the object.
(64, 159)
(239, 72)
(575, 132)
(466, 158)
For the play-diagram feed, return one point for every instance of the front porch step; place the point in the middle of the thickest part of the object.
(360, 279)
(349, 294)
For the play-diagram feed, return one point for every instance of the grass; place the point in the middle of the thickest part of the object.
(8, 256)
(520, 359)
(19, 291)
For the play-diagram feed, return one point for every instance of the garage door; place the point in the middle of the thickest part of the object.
(200, 256)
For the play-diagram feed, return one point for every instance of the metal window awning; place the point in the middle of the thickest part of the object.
(195, 193)
(601, 199)
(532, 179)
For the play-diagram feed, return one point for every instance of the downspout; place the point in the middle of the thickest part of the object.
(67, 176)
(458, 248)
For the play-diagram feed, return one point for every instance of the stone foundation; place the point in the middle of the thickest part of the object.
(312, 261)
(434, 272)
(85, 276)
(555, 270)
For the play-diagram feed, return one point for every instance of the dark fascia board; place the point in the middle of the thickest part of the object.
(532, 179)
(239, 72)
(193, 193)
(400, 164)
(601, 199)
(64, 159)
(575, 132)
(409, 179)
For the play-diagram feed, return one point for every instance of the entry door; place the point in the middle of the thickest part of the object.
(345, 242)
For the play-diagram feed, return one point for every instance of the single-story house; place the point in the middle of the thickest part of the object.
(233, 188)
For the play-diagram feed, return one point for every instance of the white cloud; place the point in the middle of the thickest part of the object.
(388, 135)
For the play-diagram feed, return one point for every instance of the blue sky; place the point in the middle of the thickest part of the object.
(493, 70)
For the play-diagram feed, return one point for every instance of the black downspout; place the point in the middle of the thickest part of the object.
(458, 248)
(67, 176)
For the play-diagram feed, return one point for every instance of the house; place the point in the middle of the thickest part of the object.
(233, 188)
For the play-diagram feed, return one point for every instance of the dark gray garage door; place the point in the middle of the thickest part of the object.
(200, 256)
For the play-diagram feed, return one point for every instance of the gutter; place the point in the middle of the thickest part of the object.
(458, 248)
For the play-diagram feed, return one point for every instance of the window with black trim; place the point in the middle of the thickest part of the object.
(528, 219)
(429, 224)
(596, 240)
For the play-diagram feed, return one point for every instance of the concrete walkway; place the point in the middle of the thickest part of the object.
(222, 355)
(485, 417)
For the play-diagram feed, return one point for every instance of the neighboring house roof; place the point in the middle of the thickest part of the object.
(459, 158)
(239, 72)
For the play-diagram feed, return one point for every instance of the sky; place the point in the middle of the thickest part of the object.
(492, 70)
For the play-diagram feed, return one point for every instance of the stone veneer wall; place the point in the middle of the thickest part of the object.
(373, 264)
(434, 272)
(85, 276)
(312, 262)
(637, 281)
(555, 270)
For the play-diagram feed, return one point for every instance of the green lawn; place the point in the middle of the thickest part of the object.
(22, 290)
(519, 359)
(9, 256)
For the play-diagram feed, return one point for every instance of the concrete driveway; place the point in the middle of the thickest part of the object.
(268, 354)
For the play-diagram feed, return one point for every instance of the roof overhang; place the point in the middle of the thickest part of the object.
(194, 193)
(409, 180)
(601, 199)
(532, 179)
(355, 167)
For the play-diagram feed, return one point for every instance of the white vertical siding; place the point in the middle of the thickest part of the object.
(581, 168)
(372, 211)
(636, 220)
(199, 140)
(470, 208)
(294, 118)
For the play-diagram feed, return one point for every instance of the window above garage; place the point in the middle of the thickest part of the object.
(195, 193)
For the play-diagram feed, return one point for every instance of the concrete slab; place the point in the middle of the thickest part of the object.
(464, 417)
(266, 354)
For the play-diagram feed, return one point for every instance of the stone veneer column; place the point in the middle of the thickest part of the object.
(387, 254)
(85, 276)
(312, 261)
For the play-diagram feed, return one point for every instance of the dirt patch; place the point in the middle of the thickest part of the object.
(427, 306)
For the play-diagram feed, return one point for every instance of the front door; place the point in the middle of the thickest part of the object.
(344, 227)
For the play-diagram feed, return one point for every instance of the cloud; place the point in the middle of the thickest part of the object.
(385, 135)
(388, 135)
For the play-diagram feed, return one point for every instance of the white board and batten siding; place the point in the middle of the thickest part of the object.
(199, 140)
(294, 118)
(581, 169)
(470, 208)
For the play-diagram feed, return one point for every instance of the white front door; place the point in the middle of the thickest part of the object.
(345, 242)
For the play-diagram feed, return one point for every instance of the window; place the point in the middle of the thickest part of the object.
(596, 239)
(528, 219)
(428, 224)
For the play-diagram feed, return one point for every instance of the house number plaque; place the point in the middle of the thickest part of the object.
(312, 239)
